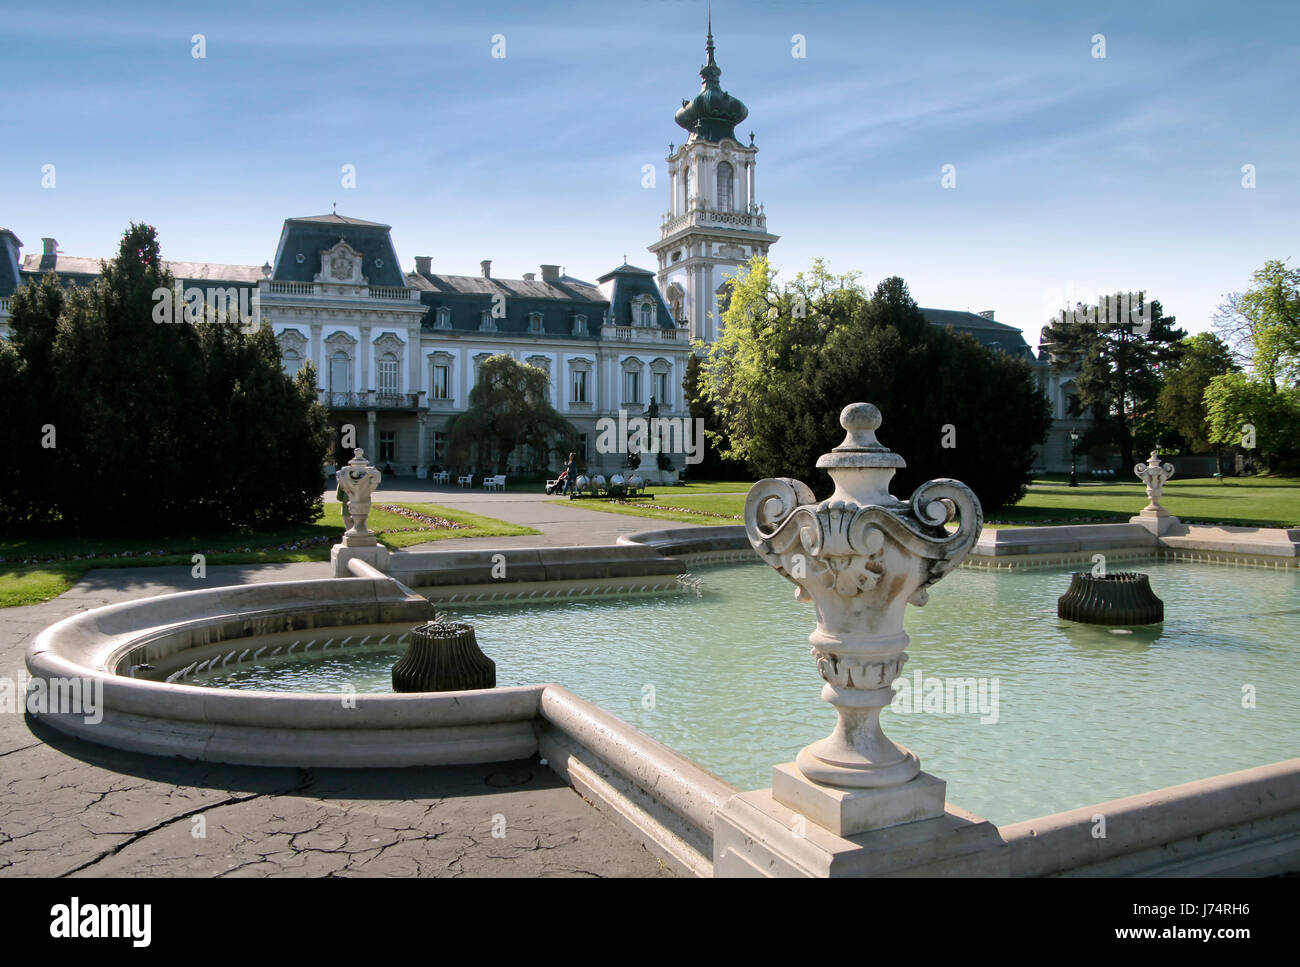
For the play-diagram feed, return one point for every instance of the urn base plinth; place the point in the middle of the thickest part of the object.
(847, 812)
(1158, 522)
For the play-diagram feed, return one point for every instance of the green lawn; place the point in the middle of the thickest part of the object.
(1247, 501)
(709, 509)
(58, 562)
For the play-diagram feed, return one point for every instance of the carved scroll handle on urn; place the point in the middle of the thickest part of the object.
(1155, 475)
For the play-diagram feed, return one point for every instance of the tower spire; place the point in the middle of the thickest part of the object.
(708, 47)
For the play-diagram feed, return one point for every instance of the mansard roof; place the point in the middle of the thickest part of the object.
(313, 234)
(623, 284)
(994, 335)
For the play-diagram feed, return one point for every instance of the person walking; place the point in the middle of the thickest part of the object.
(570, 473)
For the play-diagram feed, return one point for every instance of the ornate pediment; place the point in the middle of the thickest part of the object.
(292, 339)
(341, 264)
(389, 343)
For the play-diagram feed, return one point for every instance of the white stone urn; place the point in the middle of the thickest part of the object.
(1155, 475)
(359, 480)
(860, 557)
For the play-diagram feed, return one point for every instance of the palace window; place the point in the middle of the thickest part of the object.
(645, 314)
(661, 388)
(579, 386)
(292, 362)
(579, 325)
(340, 373)
(439, 446)
(485, 321)
(725, 181)
(387, 445)
(582, 448)
(441, 382)
(534, 322)
(442, 318)
(632, 386)
(388, 375)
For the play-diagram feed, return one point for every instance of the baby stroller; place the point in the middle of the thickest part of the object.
(561, 484)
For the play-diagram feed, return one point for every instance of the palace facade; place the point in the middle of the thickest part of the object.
(397, 352)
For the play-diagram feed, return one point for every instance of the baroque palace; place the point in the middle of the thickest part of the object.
(397, 352)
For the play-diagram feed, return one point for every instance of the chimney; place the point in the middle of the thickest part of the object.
(986, 313)
(550, 273)
(423, 264)
(51, 246)
(486, 266)
(530, 276)
(50, 254)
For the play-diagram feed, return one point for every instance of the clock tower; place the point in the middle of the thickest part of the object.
(714, 223)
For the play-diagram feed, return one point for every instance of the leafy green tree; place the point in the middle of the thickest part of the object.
(713, 465)
(508, 407)
(1246, 412)
(792, 356)
(1262, 325)
(157, 427)
(1181, 402)
(1119, 359)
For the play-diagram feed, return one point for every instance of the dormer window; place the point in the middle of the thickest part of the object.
(645, 314)
(442, 318)
(485, 321)
(534, 322)
(579, 325)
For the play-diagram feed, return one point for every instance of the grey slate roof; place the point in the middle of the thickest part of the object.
(467, 296)
(314, 234)
(995, 335)
(627, 282)
(77, 265)
(9, 267)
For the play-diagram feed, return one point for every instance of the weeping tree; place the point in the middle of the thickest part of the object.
(508, 408)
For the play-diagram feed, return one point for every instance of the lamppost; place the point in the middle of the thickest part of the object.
(1074, 469)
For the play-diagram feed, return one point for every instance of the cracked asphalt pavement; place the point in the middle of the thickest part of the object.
(69, 808)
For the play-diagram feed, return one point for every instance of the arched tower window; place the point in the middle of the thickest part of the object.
(726, 181)
(645, 314)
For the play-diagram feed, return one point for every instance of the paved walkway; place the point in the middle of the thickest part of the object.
(562, 524)
(71, 808)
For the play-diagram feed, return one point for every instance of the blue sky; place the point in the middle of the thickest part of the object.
(1071, 171)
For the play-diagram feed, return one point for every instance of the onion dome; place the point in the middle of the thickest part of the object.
(713, 114)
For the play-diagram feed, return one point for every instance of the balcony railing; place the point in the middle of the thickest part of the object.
(370, 401)
(753, 221)
(638, 334)
(4, 305)
(390, 293)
